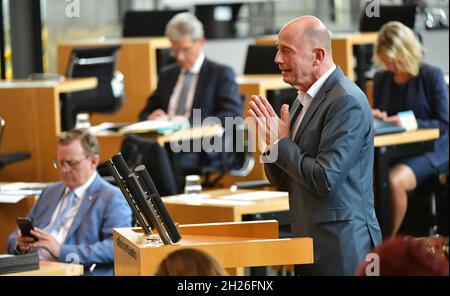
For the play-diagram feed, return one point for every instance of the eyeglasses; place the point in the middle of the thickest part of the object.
(185, 51)
(67, 163)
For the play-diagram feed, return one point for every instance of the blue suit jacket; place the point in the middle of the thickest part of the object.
(216, 94)
(90, 237)
(327, 170)
(427, 97)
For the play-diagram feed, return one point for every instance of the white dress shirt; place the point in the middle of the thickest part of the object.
(174, 98)
(306, 98)
(61, 233)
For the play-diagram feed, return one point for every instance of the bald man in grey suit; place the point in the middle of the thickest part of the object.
(321, 151)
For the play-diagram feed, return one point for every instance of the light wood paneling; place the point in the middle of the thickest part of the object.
(136, 257)
(32, 114)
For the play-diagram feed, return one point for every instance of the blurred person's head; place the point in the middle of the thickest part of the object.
(405, 255)
(77, 157)
(190, 262)
(186, 35)
(304, 52)
(398, 50)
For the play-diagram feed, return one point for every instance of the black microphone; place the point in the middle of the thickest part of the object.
(121, 165)
(147, 207)
(118, 169)
(148, 185)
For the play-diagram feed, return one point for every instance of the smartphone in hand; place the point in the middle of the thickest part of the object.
(25, 227)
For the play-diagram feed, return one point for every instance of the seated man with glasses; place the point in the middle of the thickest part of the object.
(74, 219)
(193, 82)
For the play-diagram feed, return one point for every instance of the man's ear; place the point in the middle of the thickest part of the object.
(319, 56)
(95, 160)
(201, 41)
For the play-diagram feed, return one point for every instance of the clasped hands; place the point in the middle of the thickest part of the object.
(45, 240)
(272, 127)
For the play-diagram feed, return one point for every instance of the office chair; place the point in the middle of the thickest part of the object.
(146, 23)
(260, 60)
(434, 186)
(164, 57)
(109, 94)
(218, 27)
(8, 158)
(238, 163)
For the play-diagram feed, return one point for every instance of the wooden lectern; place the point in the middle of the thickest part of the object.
(234, 245)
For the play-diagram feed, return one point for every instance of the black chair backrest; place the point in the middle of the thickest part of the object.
(405, 14)
(8, 158)
(138, 150)
(147, 22)
(101, 63)
(260, 60)
(163, 58)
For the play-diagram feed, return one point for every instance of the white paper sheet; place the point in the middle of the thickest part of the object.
(20, 190)
(8, 198)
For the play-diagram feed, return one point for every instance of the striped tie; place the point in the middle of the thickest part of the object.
(181, 107)
(62, 218)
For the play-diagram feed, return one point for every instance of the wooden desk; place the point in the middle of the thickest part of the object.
(248, 85)
(110, 141)
(137, 61)
(50, 268)
(187, 210)
(390, 146)
(31, 110)
(231, 244)
(8, 214)
(342, 47)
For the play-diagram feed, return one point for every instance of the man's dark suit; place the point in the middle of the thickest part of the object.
(216, 94)
(327, 170)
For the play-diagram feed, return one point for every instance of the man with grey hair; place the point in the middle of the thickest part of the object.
(74, 219)
(193, 82)
(324, 146)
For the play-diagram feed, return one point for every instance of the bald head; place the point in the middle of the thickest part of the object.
(304, 52)
(309, 31)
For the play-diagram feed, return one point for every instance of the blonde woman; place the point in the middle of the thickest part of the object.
(407, 83)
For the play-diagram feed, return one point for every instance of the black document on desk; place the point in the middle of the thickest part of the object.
(18, 263)
(383, 127)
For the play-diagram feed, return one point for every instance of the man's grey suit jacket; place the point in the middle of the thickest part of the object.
(327, 170)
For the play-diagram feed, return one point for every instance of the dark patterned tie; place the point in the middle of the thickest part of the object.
(181, 107)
